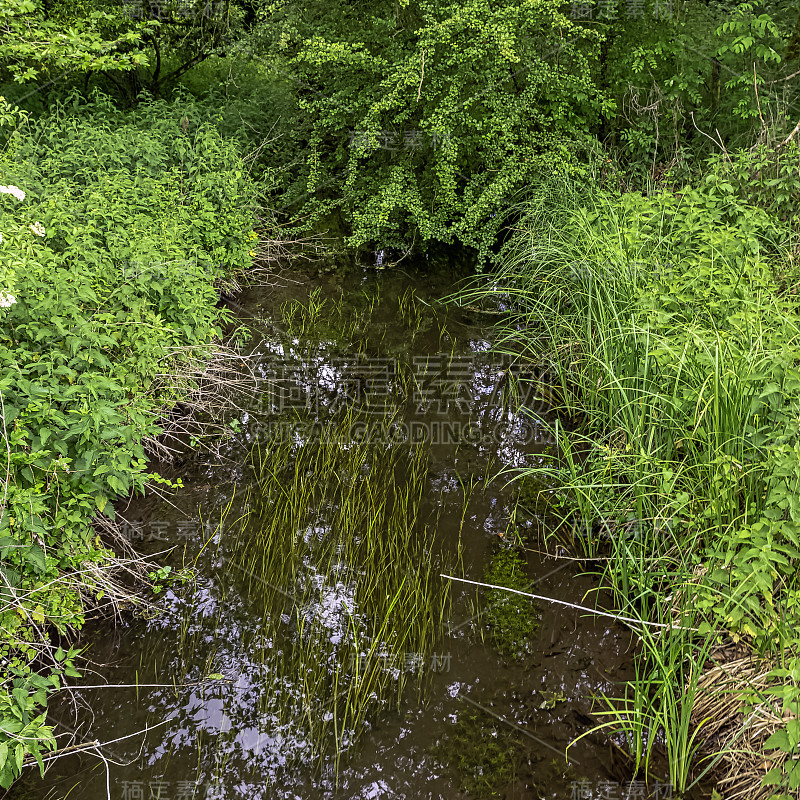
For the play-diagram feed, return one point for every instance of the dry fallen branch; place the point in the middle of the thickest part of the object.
(792, 134)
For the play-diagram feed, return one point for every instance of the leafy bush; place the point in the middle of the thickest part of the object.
(428, 120)
(252, 102)
(109, 263)
(33, 41)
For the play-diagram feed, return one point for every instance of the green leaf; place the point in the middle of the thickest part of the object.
(37, 754)
(793, 772)
(10, 725)
(779, 740)
(773, 777)
(21, 696)
(10, 413)
(35, 555)
(793, 733)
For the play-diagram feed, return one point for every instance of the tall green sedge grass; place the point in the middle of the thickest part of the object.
(654, 716)
(672, 346)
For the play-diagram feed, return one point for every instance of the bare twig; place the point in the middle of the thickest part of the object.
(594, 611)
(783, 80)
(792, 134)
(89, 746)
(711, 138)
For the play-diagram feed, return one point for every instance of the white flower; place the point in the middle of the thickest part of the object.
(7, 299)
(13, 190)
(37, 228)
(1, 238)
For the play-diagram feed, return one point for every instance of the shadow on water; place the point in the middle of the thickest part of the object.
(316, 653)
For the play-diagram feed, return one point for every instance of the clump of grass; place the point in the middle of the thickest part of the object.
(336, 558)
(409, 309)
(674, 348)
(656, 714)
(318, 319)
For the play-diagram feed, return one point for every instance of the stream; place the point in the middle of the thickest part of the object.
(235, 682)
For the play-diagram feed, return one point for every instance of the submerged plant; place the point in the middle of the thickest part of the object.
(513, 620)
(335, 556)
(483, 752)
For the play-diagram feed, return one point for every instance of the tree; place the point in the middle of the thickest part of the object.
(429, 120)
(135, 45)
(34, 43)
(178, 35)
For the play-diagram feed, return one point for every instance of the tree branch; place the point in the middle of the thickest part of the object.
(157, 71)
(792, 134)
(192, 62)
(125, 93)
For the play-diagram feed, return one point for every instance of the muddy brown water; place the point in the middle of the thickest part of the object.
(488, 725)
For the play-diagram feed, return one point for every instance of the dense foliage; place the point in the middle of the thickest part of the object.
(427, 122)
(35, 41)
(402, 124)
(681, 314)
(662, 284)
(406, 106)
(118, 228)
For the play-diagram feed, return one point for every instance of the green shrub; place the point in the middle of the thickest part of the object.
(109, 265)
(427, 121)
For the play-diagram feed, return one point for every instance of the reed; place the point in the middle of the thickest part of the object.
(655, 714)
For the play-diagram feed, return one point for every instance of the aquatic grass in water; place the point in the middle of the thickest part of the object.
(308, 324)
(334, 556)
(332, 574)
(655, 714)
